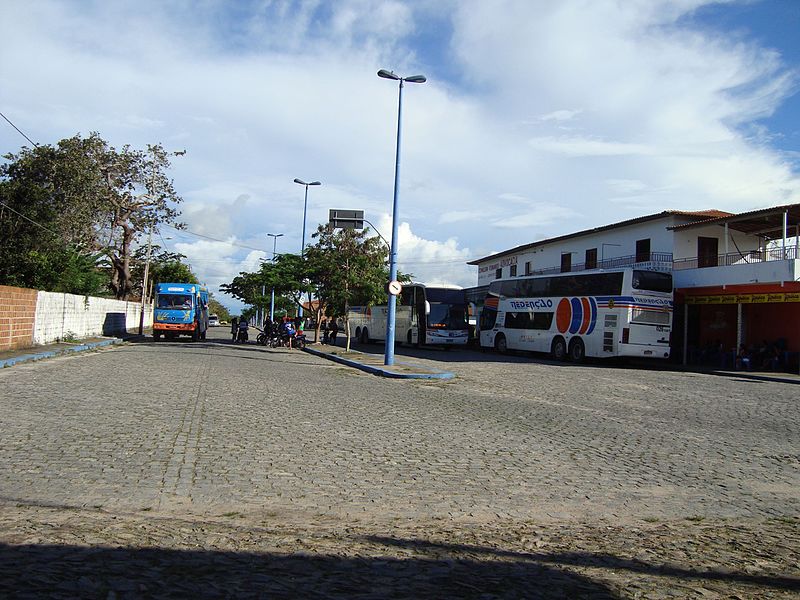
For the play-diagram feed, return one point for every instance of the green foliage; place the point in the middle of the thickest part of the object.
(288, 276)
(81, 197)
(348, 268)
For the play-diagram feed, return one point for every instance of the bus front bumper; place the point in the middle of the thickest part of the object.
(173, 326)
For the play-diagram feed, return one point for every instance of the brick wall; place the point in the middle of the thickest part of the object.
(29, 317)
(17, 317)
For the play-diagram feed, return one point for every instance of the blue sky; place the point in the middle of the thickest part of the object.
(539, 118)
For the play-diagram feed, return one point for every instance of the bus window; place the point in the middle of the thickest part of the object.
(652, 281)
(528, 320)
(488, 318)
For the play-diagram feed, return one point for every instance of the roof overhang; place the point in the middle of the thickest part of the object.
(766, 223)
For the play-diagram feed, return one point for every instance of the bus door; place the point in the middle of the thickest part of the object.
(408, 301)
(422, 310)
(611, 331)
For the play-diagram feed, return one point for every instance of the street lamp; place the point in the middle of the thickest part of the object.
(303, 247)
(390, 317)
(274, 237)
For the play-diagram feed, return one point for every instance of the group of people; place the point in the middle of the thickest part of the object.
(286, 326)
(765, 357)
(330, 329)
(762, 357)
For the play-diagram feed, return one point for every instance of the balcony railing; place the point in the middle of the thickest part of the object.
(736, 258)
(652, 260)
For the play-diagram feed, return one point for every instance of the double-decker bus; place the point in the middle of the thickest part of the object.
(621, 312)
(425, 314)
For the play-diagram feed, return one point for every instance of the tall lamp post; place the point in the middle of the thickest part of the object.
(303, 247)
(274, 237)
(390, 317)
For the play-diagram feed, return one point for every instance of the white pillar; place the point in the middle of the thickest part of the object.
(685, 331)
(726, 245)
(738, 325)
(785, 232)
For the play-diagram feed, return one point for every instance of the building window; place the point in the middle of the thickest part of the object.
(707, 250)
(498, 273)
(591, 258)
(566, 262)
(643, 250)
(528, 268)
(513, 271)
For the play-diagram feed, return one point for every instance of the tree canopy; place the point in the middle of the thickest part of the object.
(80, 203)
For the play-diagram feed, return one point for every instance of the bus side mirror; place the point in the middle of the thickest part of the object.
(427, 307)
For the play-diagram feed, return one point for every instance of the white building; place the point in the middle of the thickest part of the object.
(743, 267)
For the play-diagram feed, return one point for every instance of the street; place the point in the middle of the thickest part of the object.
(663, 482)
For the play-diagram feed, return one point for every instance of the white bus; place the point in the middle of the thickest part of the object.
(429, 315)
(621, 312)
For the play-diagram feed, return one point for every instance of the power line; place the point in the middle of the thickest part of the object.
(29, 219)
(208, 237)
(19, 130)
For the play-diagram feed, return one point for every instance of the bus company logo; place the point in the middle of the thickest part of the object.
(538, 303)
(576, 315)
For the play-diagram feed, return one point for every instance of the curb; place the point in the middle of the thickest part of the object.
(777, 378)
(51, 353)
(381, 372)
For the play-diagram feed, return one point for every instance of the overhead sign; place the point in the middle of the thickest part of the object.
(346, 219)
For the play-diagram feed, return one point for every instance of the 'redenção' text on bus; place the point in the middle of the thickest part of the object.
(625, 312)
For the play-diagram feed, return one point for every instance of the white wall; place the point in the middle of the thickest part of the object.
(685, 245)
(66, 315)
(748, 273)
(619, 242)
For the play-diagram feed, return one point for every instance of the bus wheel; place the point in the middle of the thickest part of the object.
(577, 351)
(156, 336)
(195, 335)
(559, 349)
(365, 336)
(500, 343)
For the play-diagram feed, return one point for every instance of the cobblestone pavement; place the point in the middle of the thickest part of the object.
(177, 468)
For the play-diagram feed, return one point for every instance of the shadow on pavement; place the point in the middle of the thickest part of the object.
(600, 560)
(58, 571)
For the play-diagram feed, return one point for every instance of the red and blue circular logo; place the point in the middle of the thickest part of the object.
(576, 315)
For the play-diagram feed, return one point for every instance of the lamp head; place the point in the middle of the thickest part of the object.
(388, 75)
(415, 79)
(315, 183)
(300, 181)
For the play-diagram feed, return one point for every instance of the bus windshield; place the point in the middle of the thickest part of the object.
(447, 316)
(182, 301)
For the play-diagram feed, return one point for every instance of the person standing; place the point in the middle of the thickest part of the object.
(334, 330)
(234, 328)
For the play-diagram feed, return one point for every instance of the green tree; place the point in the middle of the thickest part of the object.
(288, 276)
(347, 268)
(165, 267)
(91, 197)
(33, 253)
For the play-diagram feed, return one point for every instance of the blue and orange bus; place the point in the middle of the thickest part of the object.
(180, 309)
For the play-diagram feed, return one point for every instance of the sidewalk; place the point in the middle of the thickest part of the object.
(373, 363)
(19, 355)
